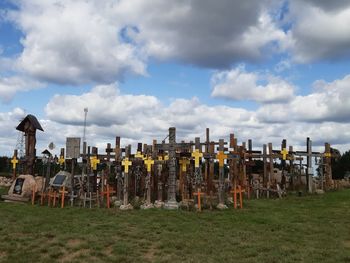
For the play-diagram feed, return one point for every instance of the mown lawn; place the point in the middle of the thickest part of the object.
(296, 229)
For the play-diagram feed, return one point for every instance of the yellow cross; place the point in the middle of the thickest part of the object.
(93, 162)
(284, 153)
(148, 162)
(166, 157)
(196, 154)
(221, 157)
(160, 158)
(61, 160)
(14, 162)
(327, 155)
(139, 155)
(126, 164)
(184, 162)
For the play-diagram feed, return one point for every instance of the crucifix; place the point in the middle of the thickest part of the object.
(14, 162)
(221, 156)
(171, 148)
(118, 170)
(61, 160)
(327, 167)
(309, 171)
(126, 205)
(149, 163)
(184, 162)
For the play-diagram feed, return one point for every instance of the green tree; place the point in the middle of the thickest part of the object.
(340, 165)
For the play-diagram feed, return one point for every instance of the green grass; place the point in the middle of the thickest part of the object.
(294, 229)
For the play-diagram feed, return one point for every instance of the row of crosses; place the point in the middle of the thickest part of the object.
(171, 174)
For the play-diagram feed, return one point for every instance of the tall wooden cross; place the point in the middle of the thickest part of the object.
(171, 148)
(184, 162)
(309, 154)
(221, 156)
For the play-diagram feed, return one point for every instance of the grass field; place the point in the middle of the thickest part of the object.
(296, 229)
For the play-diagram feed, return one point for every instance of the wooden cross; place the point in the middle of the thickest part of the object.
(93, 162)
(126, 163)
(237, 190)
(149, 162)
(196, 154)
(284, 153)
(199, 194)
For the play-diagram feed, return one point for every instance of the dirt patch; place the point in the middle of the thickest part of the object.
(150, 254)
(347, 243)
(68, 257)
(73, 243)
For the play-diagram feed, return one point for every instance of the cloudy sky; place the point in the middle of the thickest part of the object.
(264, 70)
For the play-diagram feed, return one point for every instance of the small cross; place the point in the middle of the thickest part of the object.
(93, 162)
(184, 162)
(327, 155)
(61, 160)
(221, 157)
(196, 154)
(149, 162)
(284, 153)
(126, 164)
(199, 195)
(139, 155)
(14, 162)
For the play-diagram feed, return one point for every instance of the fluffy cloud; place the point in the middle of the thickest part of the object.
(237, 84)
(328, 102)
(73, 42)
(320, 30)
(205, 33)
(151, 120)
(9, 86)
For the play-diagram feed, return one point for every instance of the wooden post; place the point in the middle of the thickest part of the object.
(108, 198)
(33, 194)
(62, 196)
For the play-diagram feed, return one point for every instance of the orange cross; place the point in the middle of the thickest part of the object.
(221, 157)
(199, 194)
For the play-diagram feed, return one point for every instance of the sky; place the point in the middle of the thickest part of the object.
(264, 70)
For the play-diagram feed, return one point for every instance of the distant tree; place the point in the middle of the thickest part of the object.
(340, 165)
(4, 164)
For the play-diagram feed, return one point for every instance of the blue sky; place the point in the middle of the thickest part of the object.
(265, 70)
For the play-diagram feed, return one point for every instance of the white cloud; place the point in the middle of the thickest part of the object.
(237, 84)
(9, 86)
(320, 30)
(74, 42)
(329, 102)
